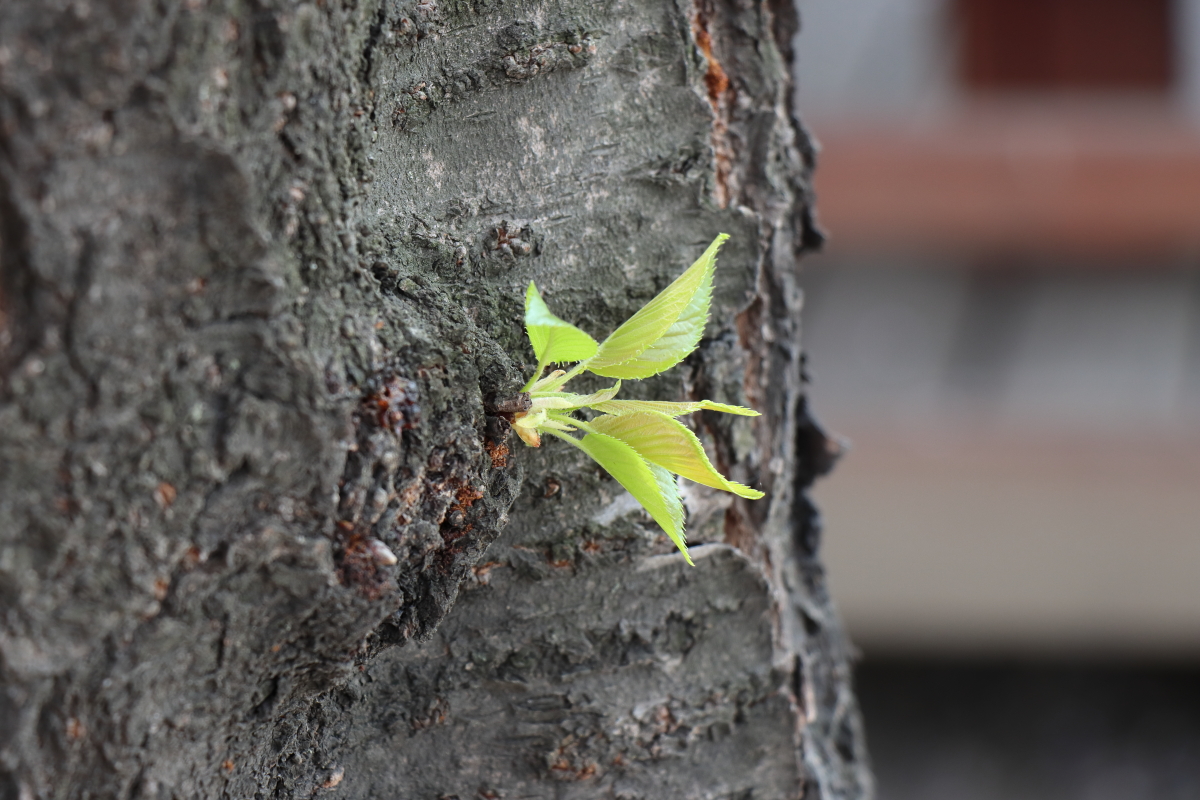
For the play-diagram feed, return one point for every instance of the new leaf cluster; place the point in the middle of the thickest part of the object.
(639, 442)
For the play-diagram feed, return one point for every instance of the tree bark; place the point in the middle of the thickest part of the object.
(263, 271)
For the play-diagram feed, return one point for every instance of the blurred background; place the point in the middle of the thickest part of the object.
(1006, 327)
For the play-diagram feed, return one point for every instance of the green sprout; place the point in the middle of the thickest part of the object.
(639, 442)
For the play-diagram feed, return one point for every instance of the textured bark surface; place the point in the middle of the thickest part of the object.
(263, 268)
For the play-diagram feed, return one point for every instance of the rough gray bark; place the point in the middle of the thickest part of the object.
(263, 266)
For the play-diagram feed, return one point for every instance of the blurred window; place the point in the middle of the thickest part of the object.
(1066, 44)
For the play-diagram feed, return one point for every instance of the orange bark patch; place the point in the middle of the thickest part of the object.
(164, 495)
(715, 78)
(498, 451)
(466, 496)
(720, 93)
(357, 565)
(76, 730)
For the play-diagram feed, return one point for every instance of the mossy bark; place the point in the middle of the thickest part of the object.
(263, 268)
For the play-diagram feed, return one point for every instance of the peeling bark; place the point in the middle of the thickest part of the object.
(264, 530)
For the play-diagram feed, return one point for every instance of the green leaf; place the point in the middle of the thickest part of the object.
(567, 400)
(668, 485)
(651, 486)
(618, 407)
(554, 340)
(665, 441)
(664, 330)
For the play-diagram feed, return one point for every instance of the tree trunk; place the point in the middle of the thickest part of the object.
(263, 274)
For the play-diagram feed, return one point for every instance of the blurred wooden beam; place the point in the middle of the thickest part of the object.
(1117, 180)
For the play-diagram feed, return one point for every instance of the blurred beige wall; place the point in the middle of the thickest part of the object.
(1003, 544)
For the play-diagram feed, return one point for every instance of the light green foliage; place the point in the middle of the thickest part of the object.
(554, 340)
(667, 442)
(664, 330)
(639, 442)
(651, 486)
(668, 408)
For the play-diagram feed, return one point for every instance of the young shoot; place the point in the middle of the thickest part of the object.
(639, 442)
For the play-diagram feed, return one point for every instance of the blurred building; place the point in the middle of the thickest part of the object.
(1006, 324)
(1006, 327)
